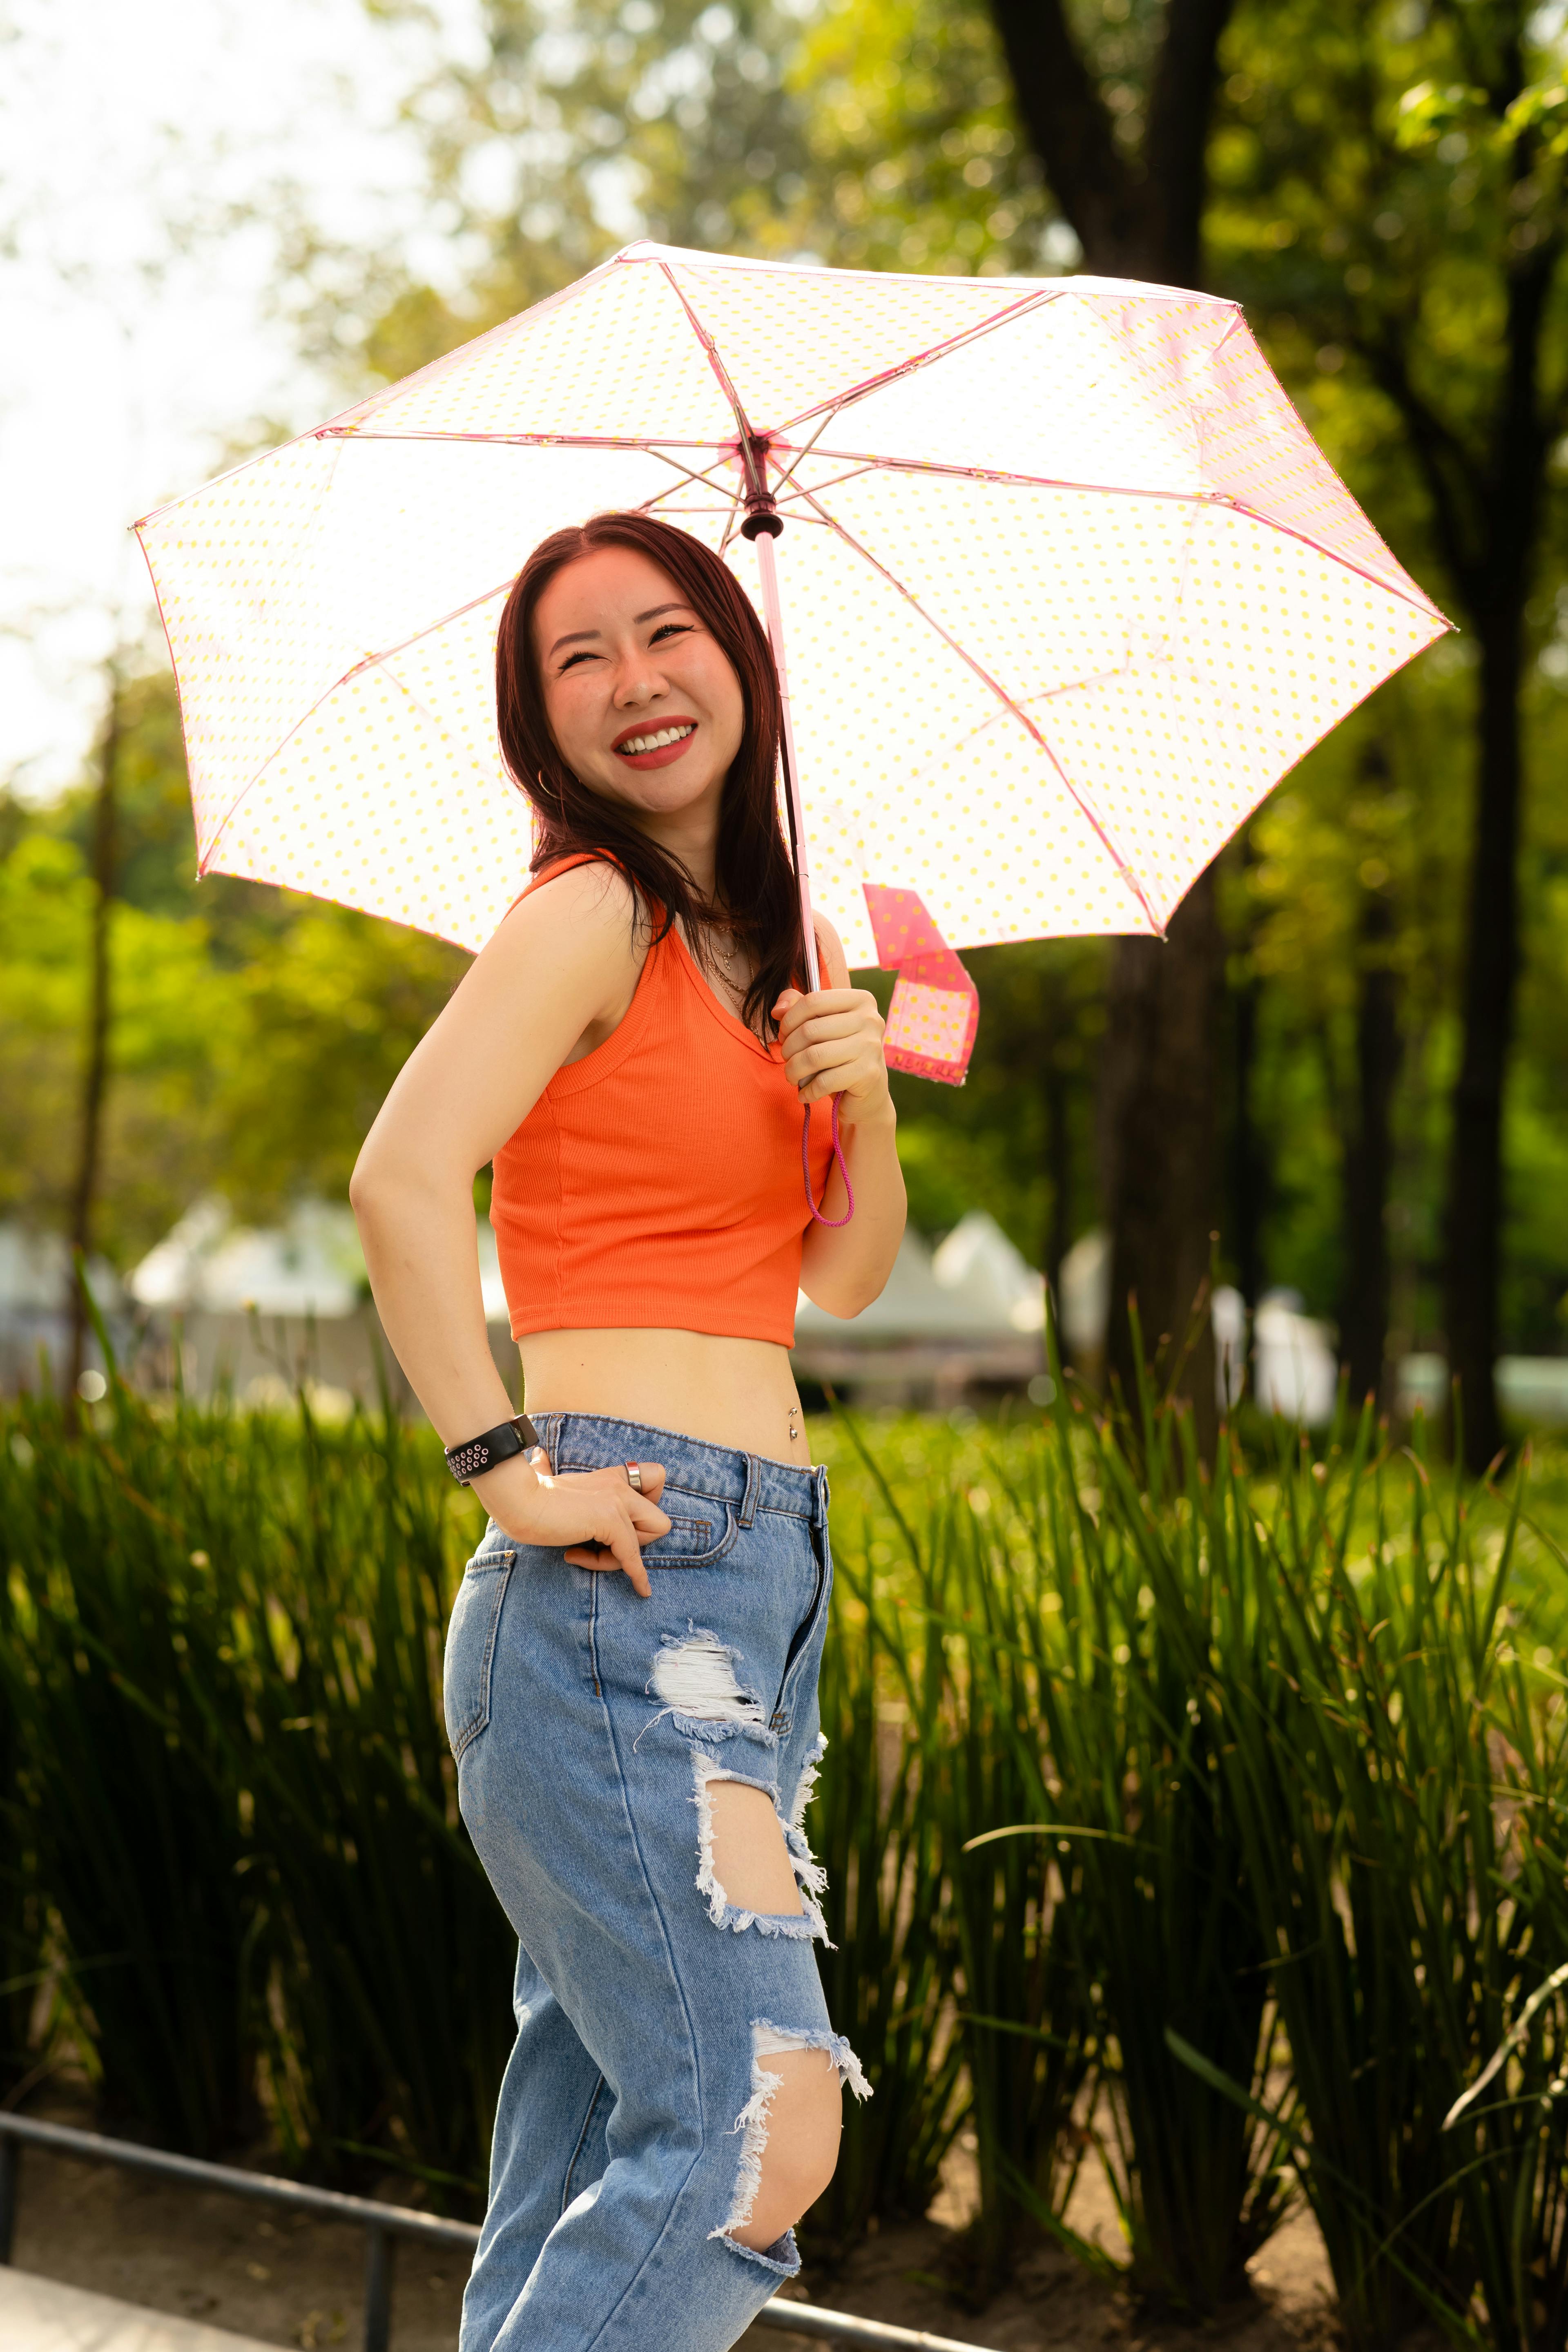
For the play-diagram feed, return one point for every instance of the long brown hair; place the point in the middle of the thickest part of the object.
(755, 898)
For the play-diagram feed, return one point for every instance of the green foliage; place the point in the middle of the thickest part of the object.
(232, 1628)
(914, 159)
(1268, 1774)
(889, 1912)
(878, 139)
(1388, 183)
(254, 1033)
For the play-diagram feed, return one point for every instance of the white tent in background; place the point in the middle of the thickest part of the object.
(1294, 1370)
(1085, 1304)
(312, 1264)
(978, 1263)
(973, 1312)
(270, 1309)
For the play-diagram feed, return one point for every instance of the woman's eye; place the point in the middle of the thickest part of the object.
(670, 629)
(571, 663)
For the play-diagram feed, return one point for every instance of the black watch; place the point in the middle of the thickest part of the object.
(478, 1455)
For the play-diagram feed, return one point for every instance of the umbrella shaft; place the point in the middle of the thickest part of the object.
(769, 580)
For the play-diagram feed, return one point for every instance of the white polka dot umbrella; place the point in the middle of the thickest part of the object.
(1066, 585)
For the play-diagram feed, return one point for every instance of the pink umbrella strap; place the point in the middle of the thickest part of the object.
(833, 1222)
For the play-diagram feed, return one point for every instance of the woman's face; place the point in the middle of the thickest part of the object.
(641, 699)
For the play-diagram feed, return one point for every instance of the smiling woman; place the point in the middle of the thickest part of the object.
(635, 1748)
(718, 692)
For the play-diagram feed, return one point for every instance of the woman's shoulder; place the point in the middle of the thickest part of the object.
(590, 891)
(569, 950)
(581, 914)
(583, 877)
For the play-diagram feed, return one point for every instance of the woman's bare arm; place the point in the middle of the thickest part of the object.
(833, 1045)
(562, 967)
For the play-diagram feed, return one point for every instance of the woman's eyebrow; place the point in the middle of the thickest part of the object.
(579, 636)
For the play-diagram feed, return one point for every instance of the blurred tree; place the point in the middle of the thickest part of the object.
(915, 158)
(95, 1070)
(872, 138)
(1017, 1139)
(1118, 104)
(1394, 177)
(1366, 1282)
(1248, 1155)
(252, 1034)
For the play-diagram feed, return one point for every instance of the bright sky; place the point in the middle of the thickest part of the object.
(142, 335)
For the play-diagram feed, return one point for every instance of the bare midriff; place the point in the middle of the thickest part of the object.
(739, 1392)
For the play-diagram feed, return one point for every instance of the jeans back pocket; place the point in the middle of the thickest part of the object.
(471, 1646)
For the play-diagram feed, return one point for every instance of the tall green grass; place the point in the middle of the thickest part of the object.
(1402, 1791)
(1207, 1825)
(223, 1656)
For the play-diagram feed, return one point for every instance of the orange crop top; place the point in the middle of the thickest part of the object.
(656, 1183)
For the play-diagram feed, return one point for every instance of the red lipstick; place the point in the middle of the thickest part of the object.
(665, 753)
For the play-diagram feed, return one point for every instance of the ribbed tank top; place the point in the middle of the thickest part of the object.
(657, 1184)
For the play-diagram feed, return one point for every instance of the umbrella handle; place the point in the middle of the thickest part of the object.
(767, 573)
(833, 1224)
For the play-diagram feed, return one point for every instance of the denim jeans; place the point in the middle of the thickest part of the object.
(588, 1725)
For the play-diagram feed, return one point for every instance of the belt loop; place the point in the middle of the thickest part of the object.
(824, 1495)
(754, 1488)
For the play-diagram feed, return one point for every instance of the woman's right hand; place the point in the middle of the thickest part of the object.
(596, 1516)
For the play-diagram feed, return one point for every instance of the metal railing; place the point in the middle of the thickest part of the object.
(382, 2226)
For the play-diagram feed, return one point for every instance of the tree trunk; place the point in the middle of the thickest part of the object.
(1369, 1159)
(1473, 1235)
(1157, 1130)
(95, 1073)
(1248, 1163)
(1157, 1074)
(1058, 1236)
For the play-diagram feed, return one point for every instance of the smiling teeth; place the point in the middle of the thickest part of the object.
(640, 743)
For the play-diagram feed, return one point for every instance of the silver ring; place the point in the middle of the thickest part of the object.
(634, 1476)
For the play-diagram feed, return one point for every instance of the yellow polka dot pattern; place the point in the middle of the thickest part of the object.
(1067, 587)
(934, 1022)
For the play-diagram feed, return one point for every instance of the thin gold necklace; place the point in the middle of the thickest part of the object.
(724, 948)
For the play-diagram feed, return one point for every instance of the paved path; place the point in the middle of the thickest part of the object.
(40, 2316)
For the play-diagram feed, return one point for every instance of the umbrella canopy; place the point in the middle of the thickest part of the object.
(1066, 585)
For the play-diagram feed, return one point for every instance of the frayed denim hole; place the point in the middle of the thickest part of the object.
(804, 1926)
(751, 2123)
(694, 1675)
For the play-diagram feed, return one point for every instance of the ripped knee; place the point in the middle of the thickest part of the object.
(790, 2130)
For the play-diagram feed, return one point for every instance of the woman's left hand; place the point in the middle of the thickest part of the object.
(832, 1043)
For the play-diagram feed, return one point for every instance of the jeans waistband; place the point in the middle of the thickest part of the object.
(592, 1441)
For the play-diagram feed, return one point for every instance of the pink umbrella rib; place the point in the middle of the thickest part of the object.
(934, 352)
(702, 474)
(656, 442)
(805, 451)
(356, 669)
(862, 461)
(714, 360)
(1124, 872)
(871, 461)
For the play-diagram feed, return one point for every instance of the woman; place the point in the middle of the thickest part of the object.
(632, 1661)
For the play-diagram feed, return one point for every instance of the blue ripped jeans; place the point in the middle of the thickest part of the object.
(587, 1725)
